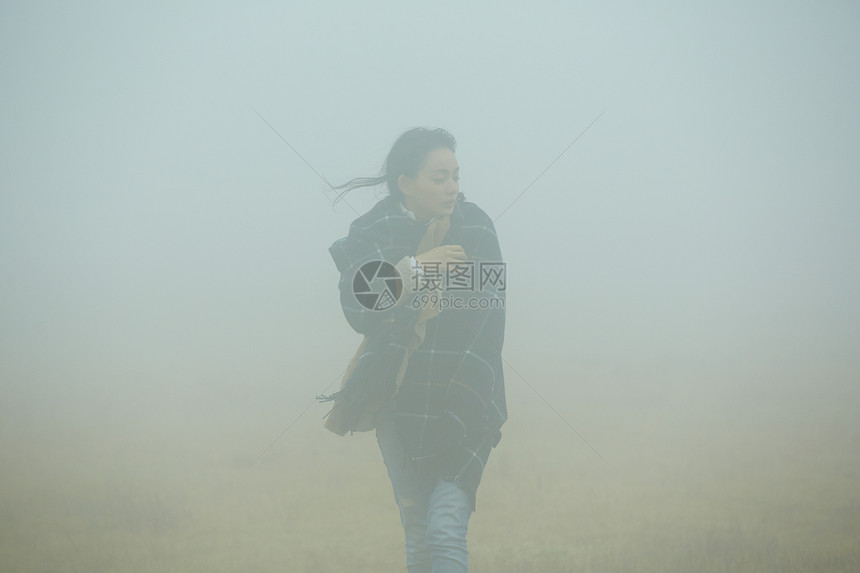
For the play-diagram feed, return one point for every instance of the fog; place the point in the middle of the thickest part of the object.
(683, 286)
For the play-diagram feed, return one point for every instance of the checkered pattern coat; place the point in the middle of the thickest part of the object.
(450, 405)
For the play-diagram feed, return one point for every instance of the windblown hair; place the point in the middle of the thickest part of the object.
(406, 157)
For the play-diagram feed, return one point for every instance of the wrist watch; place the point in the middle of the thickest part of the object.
(415, 266)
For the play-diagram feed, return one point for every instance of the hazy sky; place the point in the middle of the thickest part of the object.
(159, 242)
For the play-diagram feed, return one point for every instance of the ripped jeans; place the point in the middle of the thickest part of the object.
(434, 512)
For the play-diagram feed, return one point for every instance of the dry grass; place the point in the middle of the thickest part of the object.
(689, 488)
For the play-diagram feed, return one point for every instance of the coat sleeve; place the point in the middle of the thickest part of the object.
(349, 255)
(493, 283)
(489, 323)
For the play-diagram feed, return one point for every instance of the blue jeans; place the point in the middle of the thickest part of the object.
(434, 512)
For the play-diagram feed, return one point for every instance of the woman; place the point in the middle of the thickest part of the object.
(422, 279)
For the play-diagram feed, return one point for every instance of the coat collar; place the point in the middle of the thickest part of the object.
(395, 205)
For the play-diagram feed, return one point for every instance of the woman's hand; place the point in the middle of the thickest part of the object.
(443, 254)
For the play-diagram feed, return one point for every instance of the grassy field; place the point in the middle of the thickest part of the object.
(691, 484)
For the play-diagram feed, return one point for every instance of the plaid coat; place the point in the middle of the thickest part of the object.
(450, 405)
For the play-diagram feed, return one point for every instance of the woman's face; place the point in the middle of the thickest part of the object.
(433, 191)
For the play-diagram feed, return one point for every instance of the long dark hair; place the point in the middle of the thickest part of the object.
(405, 158)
